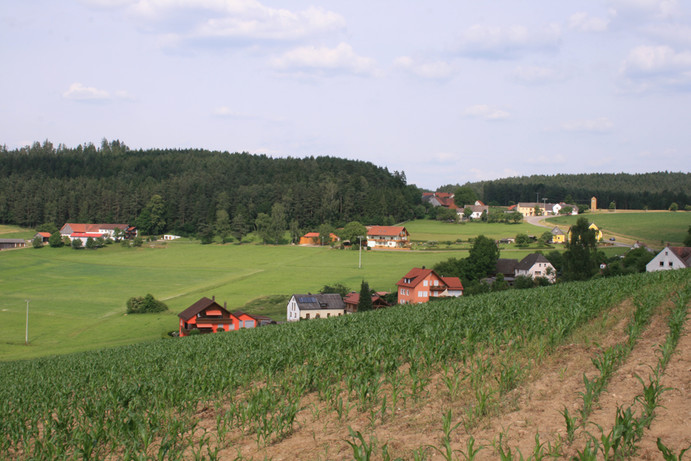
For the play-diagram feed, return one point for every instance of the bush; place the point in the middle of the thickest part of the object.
(145, 305)
(37, 242)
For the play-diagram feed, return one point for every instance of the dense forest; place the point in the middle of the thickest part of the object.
(655, 191)
(192, 188)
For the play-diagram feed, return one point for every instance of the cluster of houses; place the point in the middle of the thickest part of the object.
(379, 237)
(81, 231)
(476, 210)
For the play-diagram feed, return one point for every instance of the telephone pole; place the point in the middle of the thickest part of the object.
(26, 337)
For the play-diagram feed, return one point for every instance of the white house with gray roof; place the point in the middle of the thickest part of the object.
(318, 306)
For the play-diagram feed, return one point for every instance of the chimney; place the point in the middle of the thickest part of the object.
(213, 298)
(225, 305)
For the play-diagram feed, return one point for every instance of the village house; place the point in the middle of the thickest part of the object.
(670, 258)
(443, 199)
(317, 306)
(558, 235)
(476, 210)
(387, 237)
(352, 300)
(593, 226)
(535, 265)
(313, 238)
(84, 231)
(421, 284)
(44, 236)
(170, 237)
(207, 316)
(528, 208)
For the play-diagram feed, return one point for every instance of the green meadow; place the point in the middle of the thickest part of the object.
(423, 230)
(77, 297)
(655, 228)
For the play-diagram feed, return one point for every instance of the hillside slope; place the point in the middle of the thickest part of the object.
(296, 391)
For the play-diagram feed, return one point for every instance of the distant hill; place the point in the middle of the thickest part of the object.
(113, 183)
(628, 191)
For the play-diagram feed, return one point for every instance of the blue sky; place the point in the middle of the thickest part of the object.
(446, 91)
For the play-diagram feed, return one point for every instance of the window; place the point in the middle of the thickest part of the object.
(436, 283)
(317, 316)
(662, 264)
(424, 283)
(307, 316)
(671, 263)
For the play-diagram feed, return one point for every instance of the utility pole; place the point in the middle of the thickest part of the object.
(359, 261)
(544, 204)
(26, 338)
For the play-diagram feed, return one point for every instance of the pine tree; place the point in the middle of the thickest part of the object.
(365, 302)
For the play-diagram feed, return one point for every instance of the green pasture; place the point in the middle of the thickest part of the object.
(14, 232)
(77, 298)
(652, 227)
(424, 230)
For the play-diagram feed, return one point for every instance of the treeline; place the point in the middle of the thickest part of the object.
(654, 191)
(112, 183)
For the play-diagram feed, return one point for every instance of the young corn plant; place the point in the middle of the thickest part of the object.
(668, 454)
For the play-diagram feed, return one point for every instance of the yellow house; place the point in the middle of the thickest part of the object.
(558, 235)
(593, 226)
(528, 208)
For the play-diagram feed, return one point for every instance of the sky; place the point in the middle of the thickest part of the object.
(446, 91)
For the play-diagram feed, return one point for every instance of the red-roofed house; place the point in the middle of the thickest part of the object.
(312, 238)
(387, 237)
(104, 230)
(352, 300)
(420, 285)
(44, 236)
(84, 236)
(444, 199)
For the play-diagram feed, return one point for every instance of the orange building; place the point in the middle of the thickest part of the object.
(313, 238)
(207, 316)
(420, 285)
(352, 300)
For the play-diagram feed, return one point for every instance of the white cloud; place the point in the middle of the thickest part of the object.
(486, 112)
(586, 23)
(598, 125)
(342, 58)
(497, 42)
(230, 21)
(79, 92)
(660, 8)
(556, 159)
(671, 33)
(649, 66)
(437, 70)
(537, 74)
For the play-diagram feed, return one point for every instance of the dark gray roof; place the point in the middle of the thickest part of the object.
(319, 301)
(506, 266)
(530, 260)
(199, 306)
(557, 231)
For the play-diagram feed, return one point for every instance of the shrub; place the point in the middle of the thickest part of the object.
(37, 242)
(145, 305)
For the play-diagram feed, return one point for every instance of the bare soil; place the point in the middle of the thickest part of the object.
(515, 418)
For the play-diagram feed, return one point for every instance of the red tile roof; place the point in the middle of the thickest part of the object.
(414, 277)
(386, 230)
(454, 283)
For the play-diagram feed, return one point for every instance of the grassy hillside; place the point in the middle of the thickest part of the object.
(654, 228)
(423, 230)
(375, 372)
(77, 298)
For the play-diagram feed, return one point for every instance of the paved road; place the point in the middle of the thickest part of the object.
(539, 221)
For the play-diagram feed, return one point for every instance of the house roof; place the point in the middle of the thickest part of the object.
(199, 306)
(43, 234)
(319, 301)
(530, 260)
(557, 231)
(454, 283)
(506, 266)
(12, 241)
(240, 313)
(354, 298)
(386, 230)
(415, 276)
(683, 253)
(310, 235)
(82, 227)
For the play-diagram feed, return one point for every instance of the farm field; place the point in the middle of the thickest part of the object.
(549, 372)
(423, 230)
(77, 298)
(654, 228)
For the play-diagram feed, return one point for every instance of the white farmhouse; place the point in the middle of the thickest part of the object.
(319, 306)
(670, 258)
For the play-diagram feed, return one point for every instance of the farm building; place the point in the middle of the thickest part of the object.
(44, 236)
(313, 238)
(103, 230)
(6, 244)
(420, 285)
(593, 227)
(670, 258)
(319, 306)
(387, 237)
(352, 300)
(207, 316)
